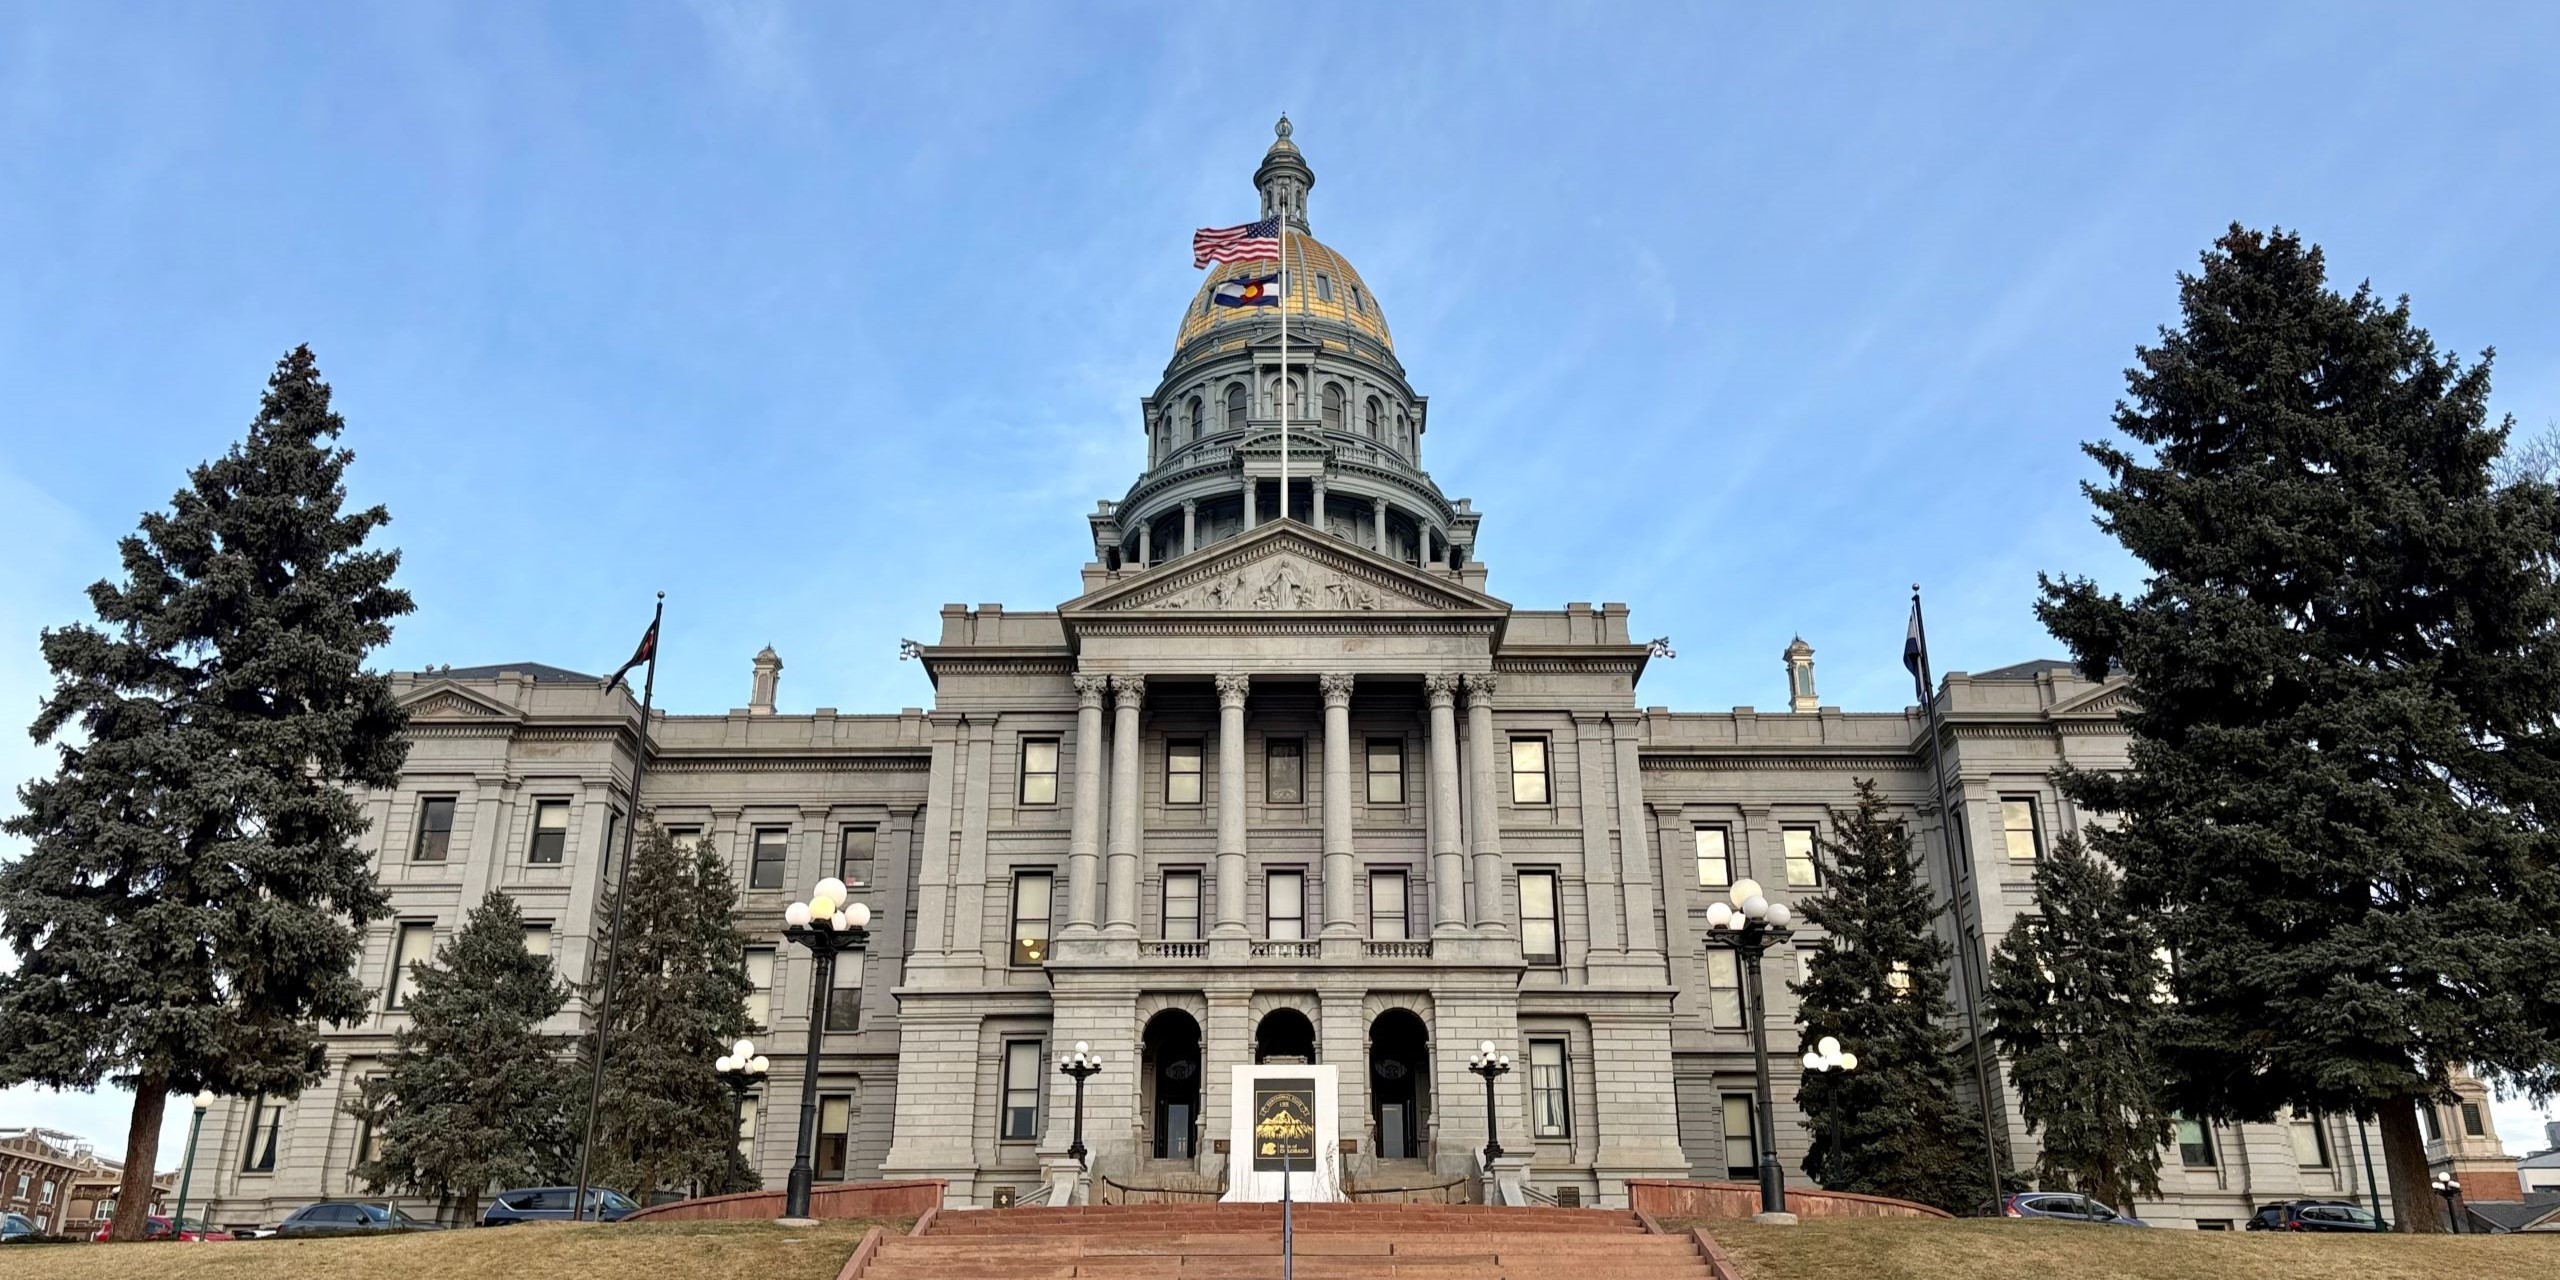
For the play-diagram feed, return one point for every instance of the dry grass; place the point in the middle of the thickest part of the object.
(536, 1251)
(1903, 1249)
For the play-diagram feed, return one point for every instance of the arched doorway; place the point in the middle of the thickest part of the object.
(1170, 1075)
(1399, 1083)
(1284, 1035)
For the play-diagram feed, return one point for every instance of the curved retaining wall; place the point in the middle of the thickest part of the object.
(1664, 1198)
(826, 1200)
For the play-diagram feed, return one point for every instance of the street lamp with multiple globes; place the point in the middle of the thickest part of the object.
(1490, 1065)
(826, 924)
(1749, 926)
(2450, 1187)
(204, 1101)
(1079, 1066)
(1827, 1055)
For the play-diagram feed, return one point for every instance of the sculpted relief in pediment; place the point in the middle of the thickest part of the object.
(1280, 584)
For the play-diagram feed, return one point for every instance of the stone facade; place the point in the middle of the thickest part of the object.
(1282, 780)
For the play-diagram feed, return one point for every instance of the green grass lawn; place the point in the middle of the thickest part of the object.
(1935, 1249)
(535, 1251)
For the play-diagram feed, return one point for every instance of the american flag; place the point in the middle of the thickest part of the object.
(1236, 244)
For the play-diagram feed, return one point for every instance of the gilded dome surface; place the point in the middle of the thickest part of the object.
(1315, 271)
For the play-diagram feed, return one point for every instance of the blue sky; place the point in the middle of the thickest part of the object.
(818, 317)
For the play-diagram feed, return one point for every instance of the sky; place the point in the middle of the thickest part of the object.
(816, 317)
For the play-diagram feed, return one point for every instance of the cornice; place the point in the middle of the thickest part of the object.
(919, 762)
(1756, 763)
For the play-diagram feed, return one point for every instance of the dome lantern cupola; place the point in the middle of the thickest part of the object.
(1284, 179)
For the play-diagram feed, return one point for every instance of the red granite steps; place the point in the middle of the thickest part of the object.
(1242, 1242)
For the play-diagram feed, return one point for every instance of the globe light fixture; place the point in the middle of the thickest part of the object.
(826, 925)
(1080, 1065)
(1491, 1065)
(1748, 924)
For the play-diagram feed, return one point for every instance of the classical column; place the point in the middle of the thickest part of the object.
(1448, 866)
(1378, 509)
(1084, 841)
(1120, 892)
(1250, 521)
(1146, 544)
(1315, 513)
(1231, 864)
(1190, 525)
(1340, 870)
(1484, 825)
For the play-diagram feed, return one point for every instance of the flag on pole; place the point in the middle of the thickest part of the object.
(1915, 653)
(648, 649)
(1236, 244)
(1247, 291)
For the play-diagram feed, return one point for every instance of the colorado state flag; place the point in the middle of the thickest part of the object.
(1248, 291)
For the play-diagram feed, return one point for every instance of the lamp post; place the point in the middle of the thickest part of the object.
(2450, 1187)
(742, 1069)
(204, 1101)
(826, 925)
(1079, 1066)
(1748, 926)
(1491, 1066)
(1825, 1056)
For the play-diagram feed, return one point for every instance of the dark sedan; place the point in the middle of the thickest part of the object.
(2316, 1215)
(2063, 1206)
(553, 1204)
(348, 1217)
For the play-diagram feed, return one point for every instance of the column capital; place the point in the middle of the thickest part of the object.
(1441, 687)
(1232, 690)
(1190, 504)
(1480, 685)
(1089, 690)
(1128, 691)
(1336, 687)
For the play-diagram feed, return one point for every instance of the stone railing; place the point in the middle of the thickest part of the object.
(1174, 950)
(1268, 950)
(1666, 1198)
(835, 1200)
(1410, 949)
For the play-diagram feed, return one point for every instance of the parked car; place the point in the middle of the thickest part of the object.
(348, 1217)
(158, 1229)
(2061, 1206)
(2315, 1215)
(553, 1204)
(16, 1226)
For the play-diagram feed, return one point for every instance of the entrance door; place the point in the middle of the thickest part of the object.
(1399, 1083)
(1172, 1076)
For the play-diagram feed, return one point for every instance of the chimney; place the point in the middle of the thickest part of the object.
(768, 680)
(1800, 695)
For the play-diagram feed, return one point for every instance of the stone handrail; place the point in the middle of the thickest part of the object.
(1286, 950)
(1412, 949)
(1671, 1198)
(834, 1200)
(1174, 950)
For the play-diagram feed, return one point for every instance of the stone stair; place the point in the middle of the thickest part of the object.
(1242, 1242)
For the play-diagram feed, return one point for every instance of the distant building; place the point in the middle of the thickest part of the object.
(61, 1184)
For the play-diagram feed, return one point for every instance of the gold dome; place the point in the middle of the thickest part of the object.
(1314, 271)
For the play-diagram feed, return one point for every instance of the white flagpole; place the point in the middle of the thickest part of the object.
(1284, 364)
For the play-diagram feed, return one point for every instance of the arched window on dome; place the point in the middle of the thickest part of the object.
(1235, 406)
(1361, 306)
(1369, 420)
(1324, 287)
(1296, 410)
(1164, 437)
(1199, 418)
(1333, 406)
(1404, 434)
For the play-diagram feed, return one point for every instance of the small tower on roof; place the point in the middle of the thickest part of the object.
(1800, 695)
(768, 683)
(1284, 179)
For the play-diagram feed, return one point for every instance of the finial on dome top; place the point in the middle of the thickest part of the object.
(1282, 128)
(1284, 178)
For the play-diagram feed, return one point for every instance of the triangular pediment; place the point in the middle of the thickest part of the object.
(447, 700)
(2110, 699)
(1284, 567)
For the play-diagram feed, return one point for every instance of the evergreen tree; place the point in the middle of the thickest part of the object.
(474, 1096)
(2342, 788)
(192, 901)
(1895, 1125)
(665, 1119)
(2075, 994)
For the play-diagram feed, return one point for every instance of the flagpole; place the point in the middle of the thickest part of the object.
(1284, 364)
(613, 927)
(1952, 830)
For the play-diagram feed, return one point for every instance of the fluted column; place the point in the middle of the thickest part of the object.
(1249, 498)
(1341, 872)
(1378, 512)
(1484, 825)
(1190, 526)
(1232, 691)
(1120, 890)
(1084, 839)
(1448, 865)
(1146, 544)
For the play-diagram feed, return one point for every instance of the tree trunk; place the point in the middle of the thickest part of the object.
(141, 1149)
(2414, 1206)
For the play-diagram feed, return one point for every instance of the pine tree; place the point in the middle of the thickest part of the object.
(2074, 998)
(192, 901)
(1894, 1126)
(474, 1095)
(665, 1119)
(2342, 787)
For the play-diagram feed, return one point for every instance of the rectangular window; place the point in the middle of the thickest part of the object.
(760, 987)
(1284, 771)
(1285, 908)
(266, 1121)
(771, 852)
(537, 940)
(1724, 989)
(48, 1192)
(2195, 1144)
(844, 993)
(413, 945)
(1528, 771)
(1804, 868)
(612, 843)
(684, 837)
(550, 833)
(1541, 923)
(750, 1109)
(1386, 771)
(1039, 771)
(1182, 762)
(1182, 906)
(2427, 1122)
(1715, 856)
(856, 850)
(435, 829)
(1022, 1077)
(1387, 907)
(1550, 1105)
(2018, 827)
(1031, 918)
(2310, 1141)
(1741, 1138)
(368, 1143)
(835, 1137)
(2472, 1123)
